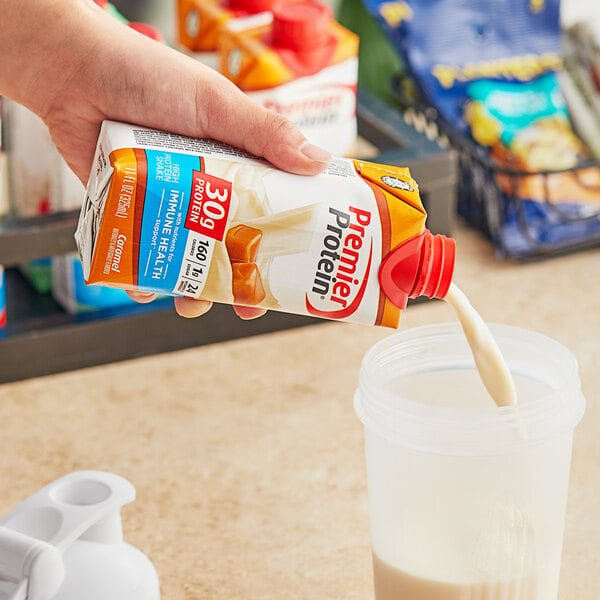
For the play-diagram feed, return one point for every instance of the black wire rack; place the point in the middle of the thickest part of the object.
(491, 196)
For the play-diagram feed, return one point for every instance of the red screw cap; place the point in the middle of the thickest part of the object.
(421, 266)
(301, 25)
(101, 3)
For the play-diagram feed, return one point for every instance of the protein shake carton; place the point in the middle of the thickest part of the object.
(200, 23)
(40, 181)
(183, 216)
(303, 65)
(29, 147)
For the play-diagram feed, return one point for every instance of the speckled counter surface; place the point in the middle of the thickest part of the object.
(247, 456)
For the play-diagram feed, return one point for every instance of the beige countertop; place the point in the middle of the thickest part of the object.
(247, 456)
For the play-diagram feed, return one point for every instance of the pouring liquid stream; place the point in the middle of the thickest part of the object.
(489, 361)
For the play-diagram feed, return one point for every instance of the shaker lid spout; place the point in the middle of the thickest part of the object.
(35, 534)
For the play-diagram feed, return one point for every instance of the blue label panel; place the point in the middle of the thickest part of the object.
(163, 236)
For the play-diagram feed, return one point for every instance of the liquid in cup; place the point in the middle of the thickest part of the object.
(393, 584)
(462, 505)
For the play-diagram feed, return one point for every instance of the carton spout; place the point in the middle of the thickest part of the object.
(420, 266)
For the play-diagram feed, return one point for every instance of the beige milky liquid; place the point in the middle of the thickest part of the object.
(393, 584)
(489, 361)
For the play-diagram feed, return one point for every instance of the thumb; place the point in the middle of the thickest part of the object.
(279, 141)
(235, 118)
(201, 103)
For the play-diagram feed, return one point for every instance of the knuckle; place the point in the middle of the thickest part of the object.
(277, 131)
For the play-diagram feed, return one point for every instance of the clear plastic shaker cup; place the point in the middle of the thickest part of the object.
(467, 500)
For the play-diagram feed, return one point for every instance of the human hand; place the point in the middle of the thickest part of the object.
(87, 67)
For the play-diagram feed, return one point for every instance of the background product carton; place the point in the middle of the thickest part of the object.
(200, 22)
(29, 148)
(30, 153)
(303, 65)
(38, 179)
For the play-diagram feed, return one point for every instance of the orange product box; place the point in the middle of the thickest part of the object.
(303, 65)
(199, 23)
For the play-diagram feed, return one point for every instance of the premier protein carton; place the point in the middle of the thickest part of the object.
(303, 65)
(192, 217)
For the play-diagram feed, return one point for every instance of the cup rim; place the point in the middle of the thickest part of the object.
(410, 423)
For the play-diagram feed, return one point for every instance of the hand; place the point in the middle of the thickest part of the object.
(190, 308)
(87, 67)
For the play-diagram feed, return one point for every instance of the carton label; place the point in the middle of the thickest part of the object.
(344, 264)
(322, 106)
(209, 205)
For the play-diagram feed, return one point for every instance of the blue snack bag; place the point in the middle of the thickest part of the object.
(447, 44)
(525, 125)
(489, 68)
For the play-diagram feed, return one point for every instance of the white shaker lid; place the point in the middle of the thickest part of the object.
(34, 535)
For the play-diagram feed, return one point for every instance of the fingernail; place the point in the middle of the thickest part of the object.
(315, 152)
(249, 312)
(190, 309)
(141, 297)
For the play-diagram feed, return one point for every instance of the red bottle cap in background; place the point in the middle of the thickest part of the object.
(148, 30)
(251, 6)
(101, 3)
(301, 25)
(421, 266)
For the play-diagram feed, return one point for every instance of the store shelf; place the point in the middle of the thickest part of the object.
(40, 338)
(25, 239)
